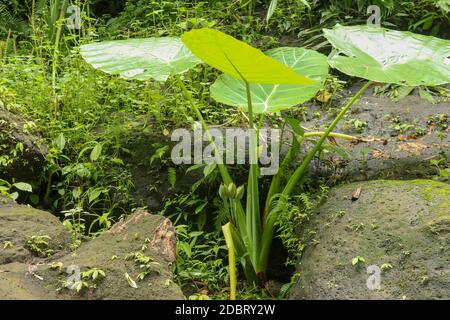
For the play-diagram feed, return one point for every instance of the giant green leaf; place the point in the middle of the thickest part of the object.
(238, 59)
(390, 56)
(273, 98)
(140, 59)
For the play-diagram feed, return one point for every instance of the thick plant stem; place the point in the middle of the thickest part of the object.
(300, 171)
(242, 239)
(222, 168)
(276, 180)
(231, 259)
(226, 178)
(253, 214)
(299, 175)
(332, 134)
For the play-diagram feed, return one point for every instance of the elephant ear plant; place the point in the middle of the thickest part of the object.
(257, 83)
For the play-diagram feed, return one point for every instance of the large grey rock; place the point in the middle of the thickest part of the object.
(150, 237)
(403, 224)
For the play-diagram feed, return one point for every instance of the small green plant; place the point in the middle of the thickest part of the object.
(357, 261)
(74, 220)
(442, 167)
(386, 266)
(404, 128)
(58, 266)
(103, 222)
(8, 190)
(407, 253)
(39, 245)
(439, 121)
(89, 279)
(340, 213)
(357, 227)
(330, 91)
(80, 285)
(356, 125)
(93, 274)
(146, 264)
(199, 296)
(7, 244)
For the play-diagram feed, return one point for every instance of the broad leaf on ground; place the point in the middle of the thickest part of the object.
(273, 98)
(390, 56)
(140, 59)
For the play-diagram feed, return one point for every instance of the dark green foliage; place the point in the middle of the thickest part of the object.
(12, 18)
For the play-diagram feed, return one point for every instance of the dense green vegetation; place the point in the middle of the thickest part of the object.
(88, 119)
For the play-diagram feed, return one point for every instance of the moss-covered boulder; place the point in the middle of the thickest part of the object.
(397, 230)
(130, 261)
(27, 234)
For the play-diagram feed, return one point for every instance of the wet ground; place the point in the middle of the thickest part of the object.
(403, 137)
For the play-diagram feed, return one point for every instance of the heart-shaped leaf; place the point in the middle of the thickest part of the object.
(390, 56)
(238, 59)
(273, 98)
(140, 59)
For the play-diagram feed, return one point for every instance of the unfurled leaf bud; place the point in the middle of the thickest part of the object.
(232, 190)
(239, 193)
(223, 192)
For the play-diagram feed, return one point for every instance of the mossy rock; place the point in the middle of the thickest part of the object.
(18, 225)
(20, 228)
(150, 235)
(401, 227)
(55, 277)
